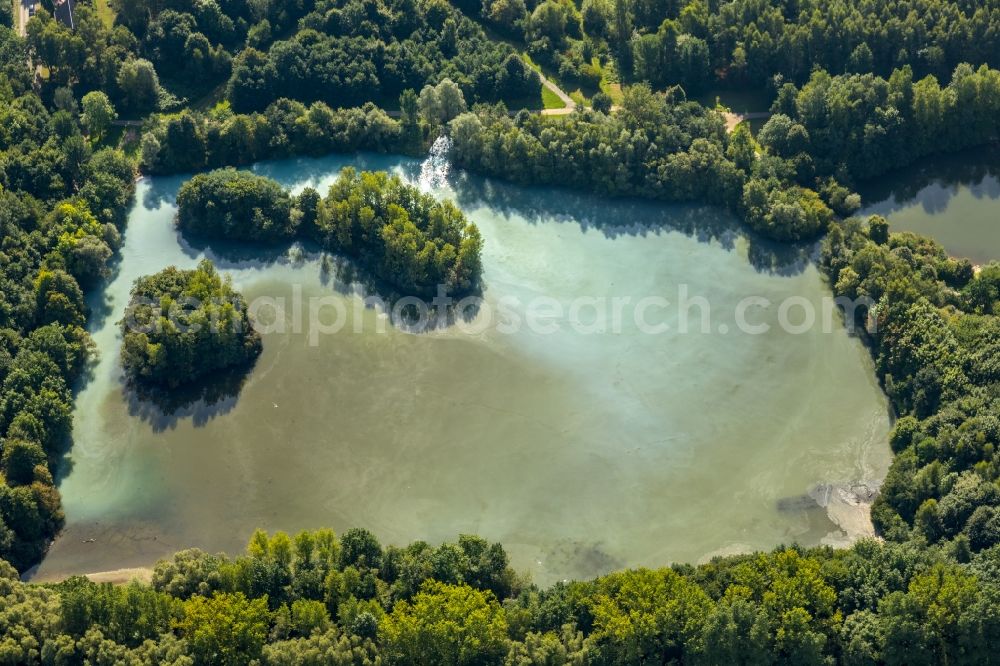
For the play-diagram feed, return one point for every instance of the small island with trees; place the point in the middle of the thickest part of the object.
(182, 326)
(406, 238)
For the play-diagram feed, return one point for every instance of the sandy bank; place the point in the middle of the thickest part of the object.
(116, 576)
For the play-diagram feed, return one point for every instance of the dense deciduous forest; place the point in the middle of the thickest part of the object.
(859, 90)
(932, 326)
(319, 599)
(700, 43)
(62, 206)
(786, 182)
(192, 141)
(160, 54)
(347, 53)
(864, 125)
(406, 238)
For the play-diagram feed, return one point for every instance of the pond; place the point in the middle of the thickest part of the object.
(954, 199)
(582, 447)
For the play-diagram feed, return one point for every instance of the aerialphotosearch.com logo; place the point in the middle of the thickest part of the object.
(686, 313)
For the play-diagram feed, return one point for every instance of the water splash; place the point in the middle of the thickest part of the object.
(434, 170)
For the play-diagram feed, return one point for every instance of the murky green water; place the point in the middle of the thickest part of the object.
(580, 452)
(954, 199)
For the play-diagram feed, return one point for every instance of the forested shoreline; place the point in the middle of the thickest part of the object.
(318, 599)
(788, 182)
(858, 91)
(704, 44)
(63, 201)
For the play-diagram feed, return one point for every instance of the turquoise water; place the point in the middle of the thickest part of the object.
(581, 450)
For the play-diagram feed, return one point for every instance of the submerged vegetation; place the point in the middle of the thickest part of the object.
(182, 326)
(406, 238)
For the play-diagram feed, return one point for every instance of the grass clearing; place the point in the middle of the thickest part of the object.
(105, 12)
(613, 90)
(531, 63)
(550, 100)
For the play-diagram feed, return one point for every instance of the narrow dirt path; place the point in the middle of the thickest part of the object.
(22, 9)
(569, 106)
(734, 119)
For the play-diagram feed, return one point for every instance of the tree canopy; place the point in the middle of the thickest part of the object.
(62, 206)
(236, 205)
(404, 237)
(316, 598)
(182, 326)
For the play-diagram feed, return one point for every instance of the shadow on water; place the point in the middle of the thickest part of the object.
(201, 402)
(407, 313)
(162, 191)
(311, 171)
(629, 217)
(230, 255)
(98, 297)
(641, 218)
(342, 275)
(978, 170)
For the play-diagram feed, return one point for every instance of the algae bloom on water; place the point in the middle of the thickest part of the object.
(183, 325)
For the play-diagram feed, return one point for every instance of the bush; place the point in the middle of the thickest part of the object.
(601, 102)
